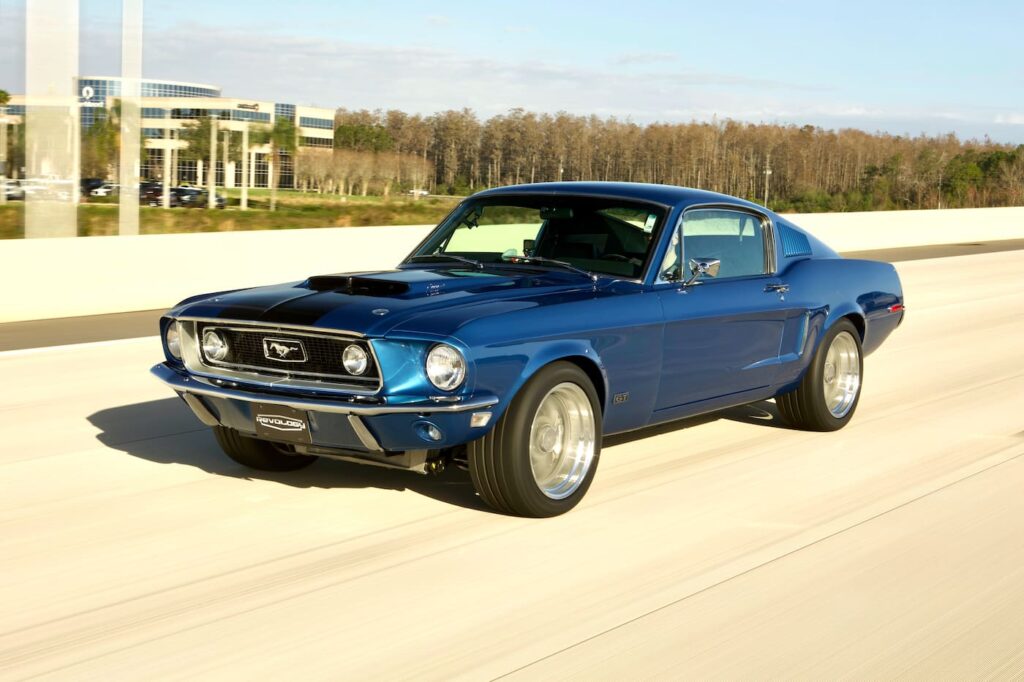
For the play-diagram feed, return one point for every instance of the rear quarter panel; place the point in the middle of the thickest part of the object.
(840, 287)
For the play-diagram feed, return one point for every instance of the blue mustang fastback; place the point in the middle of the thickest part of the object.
(531, 322)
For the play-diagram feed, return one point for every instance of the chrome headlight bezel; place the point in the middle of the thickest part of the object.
(172, 340)
(355, 359)
(445, 367)
(214, 346)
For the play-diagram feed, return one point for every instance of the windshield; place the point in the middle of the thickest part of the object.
(606, 236)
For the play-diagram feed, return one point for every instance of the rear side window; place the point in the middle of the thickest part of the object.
(735, 238)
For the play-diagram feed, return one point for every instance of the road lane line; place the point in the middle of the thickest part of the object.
(770, 561)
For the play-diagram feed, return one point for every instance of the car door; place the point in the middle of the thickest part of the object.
(722, 334)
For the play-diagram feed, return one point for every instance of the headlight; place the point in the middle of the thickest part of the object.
(173, 341)
(214, 347)
(446, 368)
(355, 360)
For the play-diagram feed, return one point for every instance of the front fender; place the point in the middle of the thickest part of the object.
(503, 372)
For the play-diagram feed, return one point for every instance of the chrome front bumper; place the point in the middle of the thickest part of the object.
(201, 386)
(338, 424)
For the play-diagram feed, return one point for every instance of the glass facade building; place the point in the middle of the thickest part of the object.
(111, 87)
(169, 107)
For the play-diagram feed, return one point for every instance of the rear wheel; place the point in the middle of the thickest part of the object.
(830, 390)
(258, 454)
(541, 456)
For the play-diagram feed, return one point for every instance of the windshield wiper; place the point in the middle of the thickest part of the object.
(450, 256)
(551, 261)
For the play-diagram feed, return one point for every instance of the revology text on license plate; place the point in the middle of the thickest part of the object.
(281, 423)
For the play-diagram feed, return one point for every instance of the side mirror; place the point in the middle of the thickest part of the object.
(702, 267)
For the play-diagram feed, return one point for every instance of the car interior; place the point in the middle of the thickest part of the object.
(594, 241)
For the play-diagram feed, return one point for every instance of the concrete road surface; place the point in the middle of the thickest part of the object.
(718, 547)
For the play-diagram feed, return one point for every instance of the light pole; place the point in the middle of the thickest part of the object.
(245, 167)
(165, 196)
(211, 199)
(3, 154)
(226, 154)
(767, 177)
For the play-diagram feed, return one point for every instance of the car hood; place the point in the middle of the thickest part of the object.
(374, 303)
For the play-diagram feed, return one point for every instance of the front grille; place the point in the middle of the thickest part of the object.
(302, 355)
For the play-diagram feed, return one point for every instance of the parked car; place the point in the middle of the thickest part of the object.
(90, 184)
(151, 194)
(531, 323)
(105, 190)
(14, 190)
(418, 193)
(195, 197)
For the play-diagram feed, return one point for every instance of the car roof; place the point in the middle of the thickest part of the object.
(669, 195)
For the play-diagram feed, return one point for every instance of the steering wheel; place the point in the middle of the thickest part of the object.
(622, 258)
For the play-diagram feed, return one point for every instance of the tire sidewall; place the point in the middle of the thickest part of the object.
(816, 376)
(516, 441)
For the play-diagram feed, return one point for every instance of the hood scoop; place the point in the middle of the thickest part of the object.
(355, 285)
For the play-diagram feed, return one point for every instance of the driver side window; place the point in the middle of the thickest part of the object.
(735, 238)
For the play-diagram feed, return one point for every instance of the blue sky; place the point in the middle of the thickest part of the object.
(903, 67)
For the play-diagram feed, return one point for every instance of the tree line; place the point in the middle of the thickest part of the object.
(799, 168)
(811, 169)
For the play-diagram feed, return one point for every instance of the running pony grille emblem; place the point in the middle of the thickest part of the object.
(284, 350)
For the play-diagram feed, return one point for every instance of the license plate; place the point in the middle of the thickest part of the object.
(282, 424)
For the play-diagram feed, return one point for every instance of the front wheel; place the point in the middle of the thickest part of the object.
(258, 454)
(828, 394)
(541, 456)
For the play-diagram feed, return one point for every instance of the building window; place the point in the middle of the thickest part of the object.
(261, 171)
(322, 123)
(246, 115)
(323, 142)
(187, 172)
(285, 111)
(153, 164)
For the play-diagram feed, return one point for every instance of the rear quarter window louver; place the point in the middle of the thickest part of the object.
(794, 243)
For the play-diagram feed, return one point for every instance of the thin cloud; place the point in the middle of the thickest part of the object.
(631, 58)
(329, 73)
(1010, 119)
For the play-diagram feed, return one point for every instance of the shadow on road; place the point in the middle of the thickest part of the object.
(762, 413)
(165, 431)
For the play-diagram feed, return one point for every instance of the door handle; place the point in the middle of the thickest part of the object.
(778, 288)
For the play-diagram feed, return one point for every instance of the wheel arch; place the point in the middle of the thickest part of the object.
(858, 322)
(847, 312)
(593, 372)
(578, 353)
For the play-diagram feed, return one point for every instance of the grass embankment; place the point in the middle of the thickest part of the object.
(294, 210)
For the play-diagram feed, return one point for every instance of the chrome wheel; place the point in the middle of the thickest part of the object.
(841, 375)
(562, 439)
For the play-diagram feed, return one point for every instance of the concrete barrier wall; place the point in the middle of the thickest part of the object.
(67, 277)
(889, 229)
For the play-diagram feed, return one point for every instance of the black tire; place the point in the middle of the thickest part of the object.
(499, 463)
(805, 407)
(258, 454)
